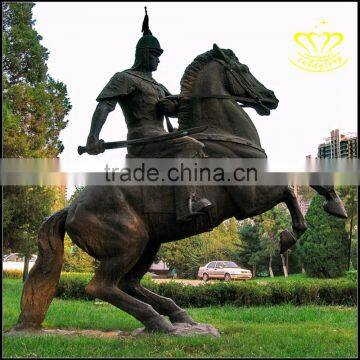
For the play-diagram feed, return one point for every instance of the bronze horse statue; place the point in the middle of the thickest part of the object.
(109, 222)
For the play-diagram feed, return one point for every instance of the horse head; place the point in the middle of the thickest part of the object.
(243, 84)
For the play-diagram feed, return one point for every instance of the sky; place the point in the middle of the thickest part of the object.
(90, 41)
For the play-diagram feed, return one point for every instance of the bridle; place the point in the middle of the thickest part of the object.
(255, 100)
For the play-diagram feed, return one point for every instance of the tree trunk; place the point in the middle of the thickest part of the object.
(254, 271)
(351, 228)
(284, 265)
(270, 267)
(287, 261)
(26, 267)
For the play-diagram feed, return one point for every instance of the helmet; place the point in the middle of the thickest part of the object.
(149, 42)
(146, 43)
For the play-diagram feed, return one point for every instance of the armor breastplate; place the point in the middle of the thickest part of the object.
(142, 117)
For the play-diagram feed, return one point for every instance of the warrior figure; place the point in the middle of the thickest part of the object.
(144, 105)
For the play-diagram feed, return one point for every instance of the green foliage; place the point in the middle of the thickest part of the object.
(259, 249)
(349, 196)
(12, 274)
(324, 245)
(34, 110)
(249, 247)
(187, 255)
(249, 332)
(75, 259)
(25, 58)
(300, 291)
(354, 253)
(352, 275)
(26, 208)
(72, 285)
(76, 193)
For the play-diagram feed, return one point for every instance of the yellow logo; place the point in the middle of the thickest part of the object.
(318, 52)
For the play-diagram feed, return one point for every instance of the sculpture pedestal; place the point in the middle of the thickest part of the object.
(183, 329)
(69, 332)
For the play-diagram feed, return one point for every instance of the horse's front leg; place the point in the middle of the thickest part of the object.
(333, 204)
(131, 284)
(288, 239)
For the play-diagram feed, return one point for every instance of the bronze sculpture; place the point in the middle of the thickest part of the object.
(110, 222)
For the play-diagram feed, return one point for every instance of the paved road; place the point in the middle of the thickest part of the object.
(186, 281)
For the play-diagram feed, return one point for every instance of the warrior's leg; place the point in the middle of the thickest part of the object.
(187, 202)
(131, 284)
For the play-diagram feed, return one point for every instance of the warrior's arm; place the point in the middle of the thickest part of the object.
(169, 105)
(101, 113)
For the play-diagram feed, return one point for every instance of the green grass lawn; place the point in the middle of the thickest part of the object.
(279, 331)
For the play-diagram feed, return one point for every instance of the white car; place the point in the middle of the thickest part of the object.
(16, 262)
(226, 270)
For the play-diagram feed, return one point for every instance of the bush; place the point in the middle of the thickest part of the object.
(72, 285)
(12, 274)
(324, 246)
(297, 292)
(352, 275)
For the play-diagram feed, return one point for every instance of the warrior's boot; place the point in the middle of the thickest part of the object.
(201, 206)
(186, 211)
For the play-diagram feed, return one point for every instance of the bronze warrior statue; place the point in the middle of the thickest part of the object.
(110, 222)
(143, 103)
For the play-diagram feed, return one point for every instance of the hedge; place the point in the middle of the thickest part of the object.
(299, 292)
(12, 274)
(307, 291)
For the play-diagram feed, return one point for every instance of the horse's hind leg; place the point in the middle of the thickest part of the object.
(333, 204)
(288, 239)
(104, 285)
(131, 284)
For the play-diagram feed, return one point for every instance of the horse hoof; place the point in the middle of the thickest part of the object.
(159, 324)
(181, 317)
(336, 208)
(287, 240)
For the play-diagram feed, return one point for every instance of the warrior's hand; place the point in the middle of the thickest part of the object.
(168, 107)
(94, 146)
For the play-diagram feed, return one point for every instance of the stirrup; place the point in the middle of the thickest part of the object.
(198, 207)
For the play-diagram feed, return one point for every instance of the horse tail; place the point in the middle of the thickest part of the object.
(40, 286)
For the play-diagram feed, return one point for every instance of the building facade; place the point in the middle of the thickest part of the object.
(339, 146)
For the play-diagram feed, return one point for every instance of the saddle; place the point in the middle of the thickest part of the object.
(158, 199)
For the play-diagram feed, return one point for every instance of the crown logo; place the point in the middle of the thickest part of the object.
(318, 52)
(318, 44)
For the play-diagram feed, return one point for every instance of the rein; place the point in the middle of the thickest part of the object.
(226, 97)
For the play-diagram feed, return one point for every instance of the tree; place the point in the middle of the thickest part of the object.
(271, 224)
(187, 255)
(34, 110)
(323, 246)
(249, 248)
(21, 227)
(75, 259)
(348, 195)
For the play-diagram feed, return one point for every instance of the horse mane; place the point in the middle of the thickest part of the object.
(188, 79)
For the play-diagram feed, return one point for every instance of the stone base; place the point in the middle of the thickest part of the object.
(183, 329)
(93, 333)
